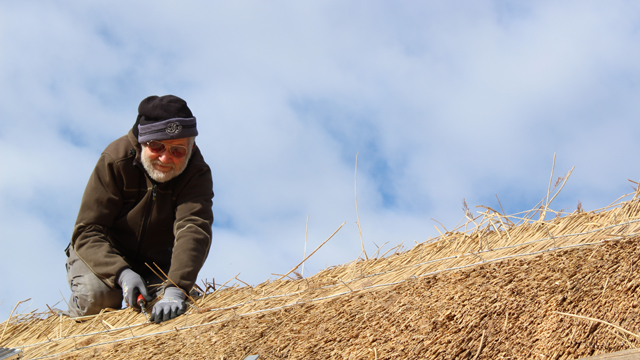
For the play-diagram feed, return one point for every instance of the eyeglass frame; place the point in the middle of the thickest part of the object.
(168, 148)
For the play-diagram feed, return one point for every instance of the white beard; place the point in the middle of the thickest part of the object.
(162, 176)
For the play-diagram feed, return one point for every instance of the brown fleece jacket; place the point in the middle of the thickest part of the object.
(126, 219)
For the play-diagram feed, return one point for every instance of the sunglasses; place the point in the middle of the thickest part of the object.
(177, 151)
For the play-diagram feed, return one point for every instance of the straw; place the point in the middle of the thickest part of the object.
(437, 298)
(355, 190)
(314, 251)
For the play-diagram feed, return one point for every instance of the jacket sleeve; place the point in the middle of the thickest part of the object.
(100, 205)
(192, 229)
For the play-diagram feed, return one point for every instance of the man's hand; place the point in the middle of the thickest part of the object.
(171, 305)
(132, 285)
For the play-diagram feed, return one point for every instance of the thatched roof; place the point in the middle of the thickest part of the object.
(496, 286)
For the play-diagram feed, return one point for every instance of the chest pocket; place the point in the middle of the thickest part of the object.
(133, 191)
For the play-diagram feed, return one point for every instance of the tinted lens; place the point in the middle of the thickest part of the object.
(178, 151)
(155, 146)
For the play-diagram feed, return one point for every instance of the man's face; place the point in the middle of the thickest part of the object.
(162, 166)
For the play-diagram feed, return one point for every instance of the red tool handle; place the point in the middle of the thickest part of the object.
(141, 301)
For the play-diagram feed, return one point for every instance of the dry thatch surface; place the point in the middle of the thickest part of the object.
(510, 287)
(509, 307)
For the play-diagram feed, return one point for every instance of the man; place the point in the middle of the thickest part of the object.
(147, 204)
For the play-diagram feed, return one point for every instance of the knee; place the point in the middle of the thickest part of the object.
(89, 295)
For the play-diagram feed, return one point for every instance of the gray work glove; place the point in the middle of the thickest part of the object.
(132, 285)
(171, 305)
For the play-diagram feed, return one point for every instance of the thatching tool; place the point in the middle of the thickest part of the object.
(143, 303)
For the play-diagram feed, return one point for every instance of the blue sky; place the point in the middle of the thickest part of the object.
(443, 101)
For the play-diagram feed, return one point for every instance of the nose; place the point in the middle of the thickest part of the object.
(165, 157)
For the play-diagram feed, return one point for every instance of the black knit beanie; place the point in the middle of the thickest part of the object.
(164, 118)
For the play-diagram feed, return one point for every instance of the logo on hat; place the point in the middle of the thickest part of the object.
(173, 128)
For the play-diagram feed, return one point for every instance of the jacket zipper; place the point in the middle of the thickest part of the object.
(147, 216)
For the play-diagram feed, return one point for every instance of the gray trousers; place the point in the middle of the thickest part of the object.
(89, 294)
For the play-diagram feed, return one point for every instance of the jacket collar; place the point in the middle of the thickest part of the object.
(135, 145)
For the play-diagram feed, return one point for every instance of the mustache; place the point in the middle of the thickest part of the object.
(158, 162)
